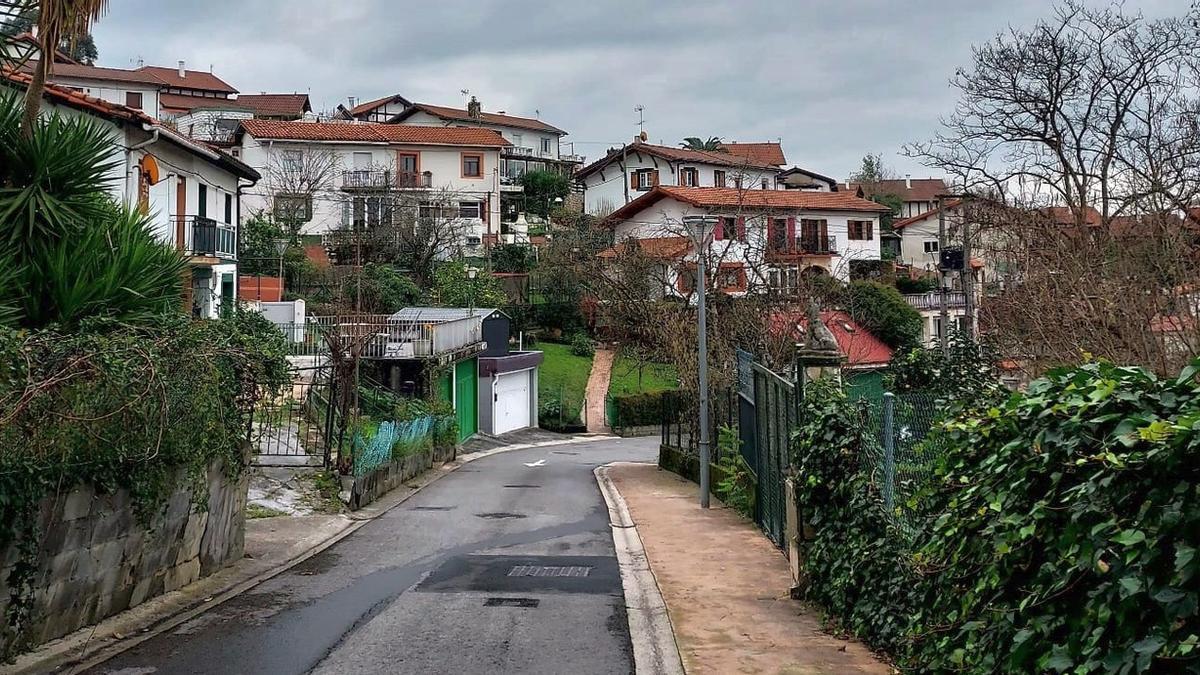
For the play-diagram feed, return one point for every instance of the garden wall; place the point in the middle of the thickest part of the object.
(95, 555)
(375, 483)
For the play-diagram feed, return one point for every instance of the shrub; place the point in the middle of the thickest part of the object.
(1061, 536)
(635, 410)
(456, 289)
(582, 345)
(553, 415)
(918, 285)
(512, 258)
(738, 484)
(883, 311)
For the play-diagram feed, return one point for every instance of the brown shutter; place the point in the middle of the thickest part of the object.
(654, 177)
(633, 183)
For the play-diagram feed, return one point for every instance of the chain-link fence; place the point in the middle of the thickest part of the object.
(895, 445)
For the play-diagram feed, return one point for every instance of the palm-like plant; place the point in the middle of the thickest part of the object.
(57, 20)
(713, 144)
(67, 251)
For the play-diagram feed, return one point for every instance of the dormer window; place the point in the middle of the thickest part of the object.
(689, 176)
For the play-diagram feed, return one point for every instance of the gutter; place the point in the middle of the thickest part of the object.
(153, 129)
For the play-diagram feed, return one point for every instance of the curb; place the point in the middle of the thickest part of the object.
(111, 637)
(654, 647)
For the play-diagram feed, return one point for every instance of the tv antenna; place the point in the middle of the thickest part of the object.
(640, 109)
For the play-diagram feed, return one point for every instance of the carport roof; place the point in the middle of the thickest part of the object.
(443, 314)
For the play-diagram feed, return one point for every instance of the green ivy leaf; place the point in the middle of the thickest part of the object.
(1130, 537)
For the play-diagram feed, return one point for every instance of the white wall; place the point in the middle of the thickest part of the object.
(609, 186)
(202, 123)
(114, 92)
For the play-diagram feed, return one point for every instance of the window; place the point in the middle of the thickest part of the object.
(779, 235)
(737, 181)
(408, 162)
(469, 210)
(202, 200)
(517, 140)
(545, 146)
(861, 230)
(291, 160)
(766, 185)
(731, 230)
(293, 208)
(644, 179)
(689, 177)
(228, 209)
(366, 212)
(731, 278)
(472, 166)
(931, 246)
(718, 178)
(362, 160)
(133, 99)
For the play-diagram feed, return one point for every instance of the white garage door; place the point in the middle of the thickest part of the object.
(511, 409)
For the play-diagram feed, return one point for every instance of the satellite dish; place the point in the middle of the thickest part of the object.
(643, 136)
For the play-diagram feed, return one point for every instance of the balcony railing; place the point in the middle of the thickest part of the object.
(380, 337)
(208, 238)
(364, 179)
(410, 179)
(571, 158)
(933, 300)
(518, 151)
(803, 245)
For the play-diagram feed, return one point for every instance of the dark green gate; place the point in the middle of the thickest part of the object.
(773, 410)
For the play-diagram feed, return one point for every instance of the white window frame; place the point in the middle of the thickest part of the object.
(464, 209)
(931, 246)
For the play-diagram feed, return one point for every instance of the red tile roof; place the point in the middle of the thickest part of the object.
(922, 190)
(276, 104)
(80, 71)
(748, 200)
(759, 153)
(1063, 215)
(460, 115)
(676, 155)
(861, 348)
(193, 79)
(365, 132)
(664, 248)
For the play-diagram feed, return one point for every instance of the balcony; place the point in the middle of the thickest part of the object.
(206, 238)
(933, 300)
(386, 337)
(366, 179)
(803, 245)
(575, 159)
(518, 151)
(412, 179)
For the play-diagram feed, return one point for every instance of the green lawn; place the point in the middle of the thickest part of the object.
(655, 377)
(563, 374)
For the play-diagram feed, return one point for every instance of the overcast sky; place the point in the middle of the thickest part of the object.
(833, 80)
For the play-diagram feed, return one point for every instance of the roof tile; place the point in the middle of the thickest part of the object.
(364, 132)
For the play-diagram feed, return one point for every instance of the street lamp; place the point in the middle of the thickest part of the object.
(472, 272)
(281, 245)
(701, 227)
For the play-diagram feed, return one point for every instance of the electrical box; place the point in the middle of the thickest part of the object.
(952, 259)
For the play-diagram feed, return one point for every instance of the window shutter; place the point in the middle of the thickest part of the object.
(345, 213)
(719, 230)
(654, 177)
(741, 228)
(824, 232)
(791, 232)
(870, 228)
(633, 181)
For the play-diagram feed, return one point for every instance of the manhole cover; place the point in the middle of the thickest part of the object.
(549, 571)
(511, 602)
(501, 514)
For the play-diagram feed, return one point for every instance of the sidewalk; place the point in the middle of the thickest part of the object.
(597, 391)
(726, 585)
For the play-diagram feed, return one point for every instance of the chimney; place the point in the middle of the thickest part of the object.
(353, 101)
(908, 181)
(474, 109)
(847, 183)
(182, 70)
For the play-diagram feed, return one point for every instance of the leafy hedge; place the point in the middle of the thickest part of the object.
(636, 410)
(122, 407)
(1060, 537)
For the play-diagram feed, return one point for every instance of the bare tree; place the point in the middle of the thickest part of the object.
(297, 179)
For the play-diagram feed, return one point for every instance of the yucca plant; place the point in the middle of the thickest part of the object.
(70, 252)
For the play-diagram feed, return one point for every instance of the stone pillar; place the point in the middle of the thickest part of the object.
(818, 362)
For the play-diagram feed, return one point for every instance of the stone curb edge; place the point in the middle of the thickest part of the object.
(58, 656)
(654, 646)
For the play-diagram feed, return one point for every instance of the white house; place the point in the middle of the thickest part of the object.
(765, 240)
(918, 195)
(626, 174)
(189, 190)
(334, 174)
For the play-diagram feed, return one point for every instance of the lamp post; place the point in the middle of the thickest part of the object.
(700, 227)
(281, 245)
(472, 272)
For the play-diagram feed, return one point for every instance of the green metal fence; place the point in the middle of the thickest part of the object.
(895, 430)
(774, 407)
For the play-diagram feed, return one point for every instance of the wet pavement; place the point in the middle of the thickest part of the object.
(504, 566)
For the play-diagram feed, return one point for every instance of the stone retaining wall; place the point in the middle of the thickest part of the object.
(97, 557)
(371, 486)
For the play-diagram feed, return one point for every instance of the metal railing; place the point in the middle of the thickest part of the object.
(380, 337)
(518, 151)
(366, 178)
(414, 179)
(933, 300)
(804, 245)
(571, 158)
(206, 237)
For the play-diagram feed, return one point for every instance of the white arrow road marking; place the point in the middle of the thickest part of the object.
(540, 462)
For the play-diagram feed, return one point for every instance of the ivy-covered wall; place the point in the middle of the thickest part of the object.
(96, 555)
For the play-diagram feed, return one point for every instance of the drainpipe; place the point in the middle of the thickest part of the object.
(237, 240)
(153, 129)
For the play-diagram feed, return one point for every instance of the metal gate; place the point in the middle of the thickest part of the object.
(775, 417)
(296, 426)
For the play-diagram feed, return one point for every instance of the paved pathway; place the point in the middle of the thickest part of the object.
(481, 572)
(726, 585)
(597, 390)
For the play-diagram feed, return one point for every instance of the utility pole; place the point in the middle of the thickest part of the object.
(943, 277)
(968, 278)
(700, 227)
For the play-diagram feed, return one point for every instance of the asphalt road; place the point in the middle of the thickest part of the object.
(499, 567)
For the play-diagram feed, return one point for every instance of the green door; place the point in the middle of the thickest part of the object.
(466, 398)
